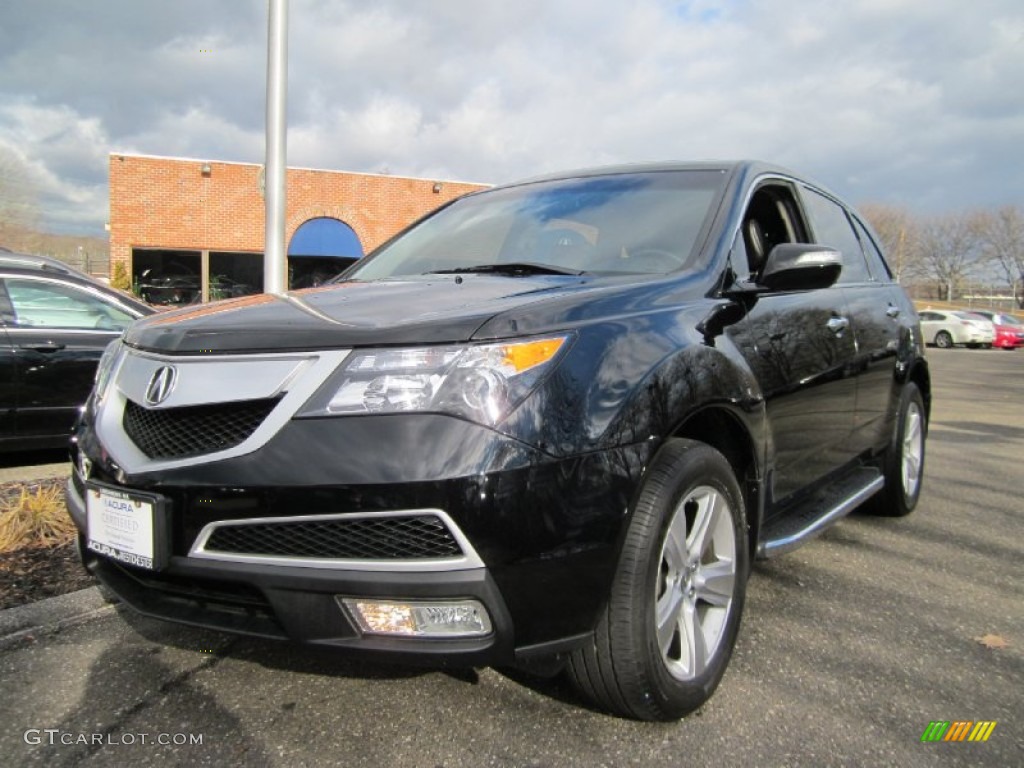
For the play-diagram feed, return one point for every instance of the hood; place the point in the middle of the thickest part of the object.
(420, 310)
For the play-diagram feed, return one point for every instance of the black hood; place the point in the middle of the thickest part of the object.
(419, 310)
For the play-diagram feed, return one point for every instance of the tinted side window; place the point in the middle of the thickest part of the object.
(832, 228)
(876, 261)
(43, 304)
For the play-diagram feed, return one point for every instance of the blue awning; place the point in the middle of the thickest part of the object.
(325, 237)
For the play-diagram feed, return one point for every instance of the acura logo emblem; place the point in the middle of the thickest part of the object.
(161, 385)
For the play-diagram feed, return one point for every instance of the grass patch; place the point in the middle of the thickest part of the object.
(34, 516)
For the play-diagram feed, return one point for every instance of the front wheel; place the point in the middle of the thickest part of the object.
(903, 463)
(667, 633)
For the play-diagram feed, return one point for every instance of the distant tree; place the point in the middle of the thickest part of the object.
(19, 206)
(948, 251)
(898, 231)
(1002, 241)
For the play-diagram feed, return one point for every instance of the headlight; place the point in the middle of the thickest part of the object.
(482, 383)
(104, 369)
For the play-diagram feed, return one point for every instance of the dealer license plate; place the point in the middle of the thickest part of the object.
(126, 526)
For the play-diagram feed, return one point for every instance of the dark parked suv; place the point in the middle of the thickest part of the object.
(548, 425)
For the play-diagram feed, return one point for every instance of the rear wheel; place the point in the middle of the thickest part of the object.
(667, 633)
(903, 464)
(943, 340)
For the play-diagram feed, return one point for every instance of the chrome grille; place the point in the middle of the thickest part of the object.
(176, 433)
(407, 537)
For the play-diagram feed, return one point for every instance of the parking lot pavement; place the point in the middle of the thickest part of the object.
(849, 648)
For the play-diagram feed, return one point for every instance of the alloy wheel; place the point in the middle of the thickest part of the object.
(912, 450)
(696, 582)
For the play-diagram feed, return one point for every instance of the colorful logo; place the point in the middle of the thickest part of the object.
(958, 730)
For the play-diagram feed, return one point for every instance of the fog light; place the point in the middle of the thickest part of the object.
(419, 618)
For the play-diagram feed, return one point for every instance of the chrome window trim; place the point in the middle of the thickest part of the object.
(50, 330)
(469, 560)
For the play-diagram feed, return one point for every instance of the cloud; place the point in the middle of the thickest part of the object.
(60, 154)
(895, 100)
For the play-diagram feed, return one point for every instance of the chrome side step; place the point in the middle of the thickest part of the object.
(818, 513)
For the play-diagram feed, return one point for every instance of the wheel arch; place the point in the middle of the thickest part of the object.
(724, 431)
(921, 376)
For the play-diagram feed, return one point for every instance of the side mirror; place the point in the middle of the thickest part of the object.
(800, 267)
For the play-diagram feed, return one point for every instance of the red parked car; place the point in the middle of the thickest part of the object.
(1009, 330)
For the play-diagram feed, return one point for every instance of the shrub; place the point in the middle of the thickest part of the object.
(119, 277)
(34, 516)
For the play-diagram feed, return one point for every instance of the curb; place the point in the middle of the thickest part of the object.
(24, 623)
(35, 472)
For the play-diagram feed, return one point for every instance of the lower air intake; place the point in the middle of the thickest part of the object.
(379, 538)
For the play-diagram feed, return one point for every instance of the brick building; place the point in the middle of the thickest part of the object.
(189, 229)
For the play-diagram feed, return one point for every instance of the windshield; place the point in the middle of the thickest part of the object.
(626, 223)
(1008, 320)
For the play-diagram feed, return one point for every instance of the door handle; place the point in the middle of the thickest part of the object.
(837, 325)
(48, 347)
(892, 312)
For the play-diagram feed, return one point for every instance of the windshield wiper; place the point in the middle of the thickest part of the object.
(517, 268)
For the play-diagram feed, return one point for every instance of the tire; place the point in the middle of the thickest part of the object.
(943, 340)
(903, 462)
(685, 558)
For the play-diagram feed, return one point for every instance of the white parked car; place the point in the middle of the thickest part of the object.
(945, 329)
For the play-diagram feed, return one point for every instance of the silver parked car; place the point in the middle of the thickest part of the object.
(945, 329)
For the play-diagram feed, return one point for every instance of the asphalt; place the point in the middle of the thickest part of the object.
(850, 647)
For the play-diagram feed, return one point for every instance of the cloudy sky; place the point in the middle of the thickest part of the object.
(916, 103)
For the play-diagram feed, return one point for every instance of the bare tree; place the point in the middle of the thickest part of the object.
(1002, 241)
(898, 231)
(949, 250)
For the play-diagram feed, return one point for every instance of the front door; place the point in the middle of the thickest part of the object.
(800, 348)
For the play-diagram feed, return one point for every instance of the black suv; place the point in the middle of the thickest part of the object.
(55, 323)
(548, 425)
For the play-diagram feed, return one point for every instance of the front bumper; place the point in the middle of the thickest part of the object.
(544, 535)
(299, 603)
